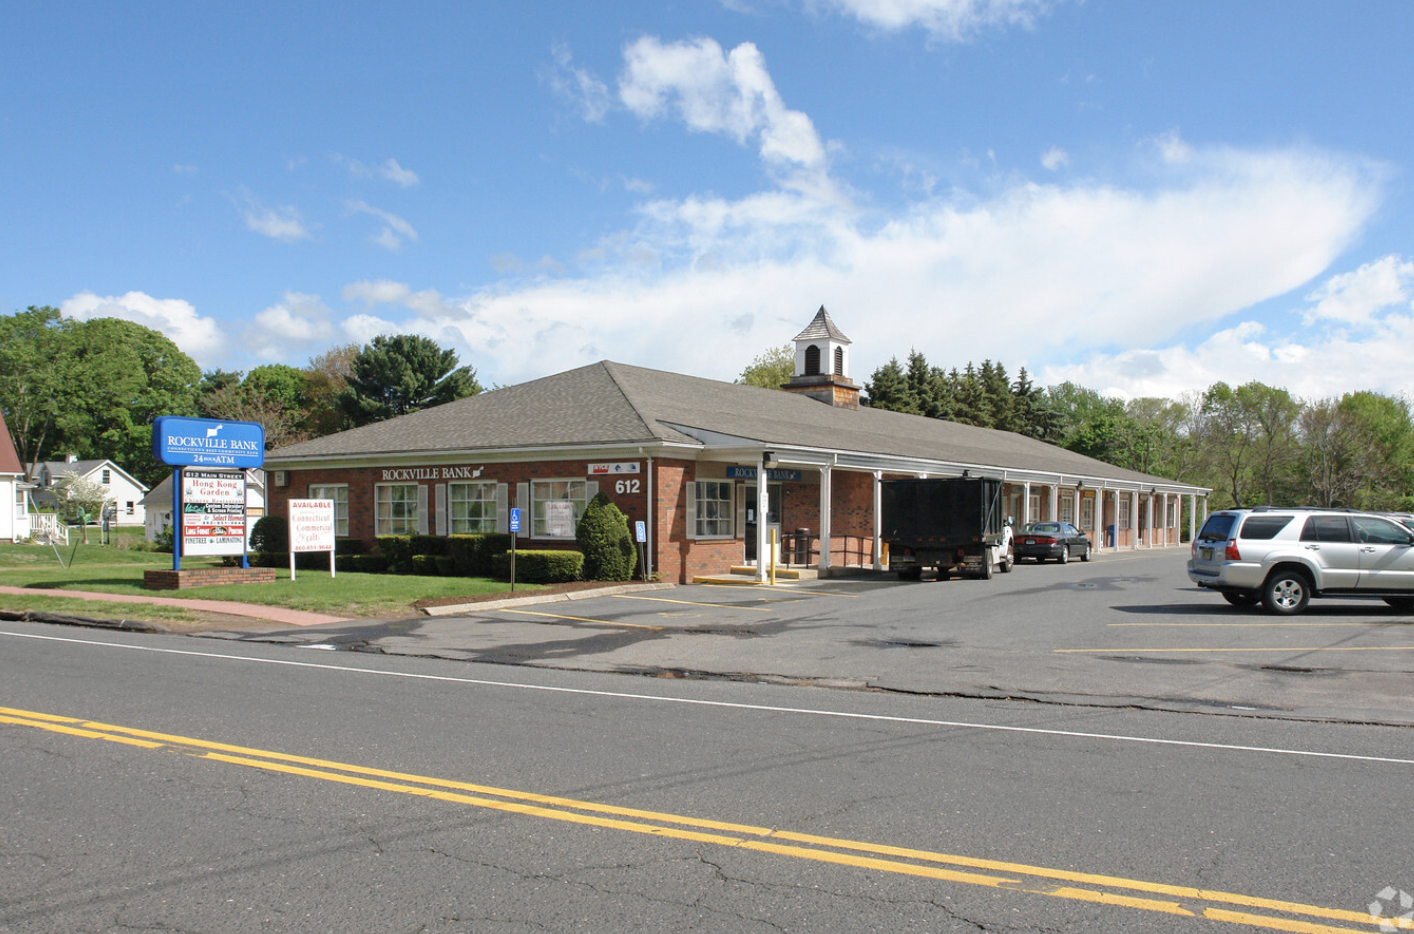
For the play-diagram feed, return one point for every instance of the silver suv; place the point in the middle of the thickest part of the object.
(1284, 557)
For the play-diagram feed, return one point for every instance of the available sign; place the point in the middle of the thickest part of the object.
(311, 529)
(206, 442)
(213, 512)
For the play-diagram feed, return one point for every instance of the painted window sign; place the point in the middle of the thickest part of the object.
(207, 442)
(213, 512)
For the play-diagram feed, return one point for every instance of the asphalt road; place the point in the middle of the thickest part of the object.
(165, 784)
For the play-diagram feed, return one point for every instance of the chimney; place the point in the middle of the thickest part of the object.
(822, 364)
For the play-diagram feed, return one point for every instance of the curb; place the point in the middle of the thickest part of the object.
(464, 609)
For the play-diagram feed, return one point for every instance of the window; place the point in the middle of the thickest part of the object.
(471, 507)
(1124, 503)
(395, 508)
(812, 360)
(1087, 513)
(1067, 508)
(340, 495)
(1265, 528)
(1318, 529)
(1033, 507)
(1374, 531)
(107, 476)
(713, 509)
(556, 507)
(839, 361)
(130, 507)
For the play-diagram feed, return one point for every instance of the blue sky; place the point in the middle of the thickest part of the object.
(1141, 197)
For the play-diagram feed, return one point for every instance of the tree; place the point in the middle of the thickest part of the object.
(1248, 439)
(36, 380)
(81, 501)
(771, 370)
(888, 389)
(928, 387)
(603, 538)
(393, 376)
(326, 377)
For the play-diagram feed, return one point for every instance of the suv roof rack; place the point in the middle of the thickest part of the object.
(1303, 509)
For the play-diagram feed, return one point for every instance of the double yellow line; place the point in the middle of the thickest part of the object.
(1038, 880)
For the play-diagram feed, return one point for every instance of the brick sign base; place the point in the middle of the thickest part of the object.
(204, 577)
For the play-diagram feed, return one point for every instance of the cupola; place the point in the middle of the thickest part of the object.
(822, 364)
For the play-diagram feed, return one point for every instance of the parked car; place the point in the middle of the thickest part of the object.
(1058, 541)
(1284, 557)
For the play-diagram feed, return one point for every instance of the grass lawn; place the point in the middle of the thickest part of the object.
(108, 569)
(96, 609)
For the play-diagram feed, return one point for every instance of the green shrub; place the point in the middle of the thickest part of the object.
(367, 564)
(425, 565)
(603, 537)
(539, 567)
(472, 554)
(446, 565)
(428, 544)
(270, 533)
(397, 551)
(350, 546)
(163, 542)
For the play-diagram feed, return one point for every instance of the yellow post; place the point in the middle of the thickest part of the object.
(773, 557)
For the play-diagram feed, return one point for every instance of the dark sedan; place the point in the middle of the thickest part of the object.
(1058, 541)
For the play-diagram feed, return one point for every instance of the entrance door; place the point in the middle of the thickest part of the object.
(773, 518)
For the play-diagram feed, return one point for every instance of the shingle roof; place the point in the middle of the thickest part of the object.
(822, 327)
(613, 403)
(9, 457)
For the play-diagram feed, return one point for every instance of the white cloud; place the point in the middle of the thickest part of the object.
(945, 20)
(1055, 158)
(278, 223)
(1356, 297)
(718, 92)
(588, 94)
(200, 338)
(388, 169)
(395, 230)
(293, 326)
(376, 292)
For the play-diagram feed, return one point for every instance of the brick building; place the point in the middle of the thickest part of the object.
(683, 455)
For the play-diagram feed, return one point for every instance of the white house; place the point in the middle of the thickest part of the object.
(124, 490)
(14, 491)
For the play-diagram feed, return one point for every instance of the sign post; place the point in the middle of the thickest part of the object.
(311, 529)
(640, 534)
(515, 533)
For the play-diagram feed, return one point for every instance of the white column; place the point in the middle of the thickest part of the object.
(878, 520)
(1026, 503)
(763, 535)
(1055, 503)
(1134, 520)
(824, 520)
(1192, 516)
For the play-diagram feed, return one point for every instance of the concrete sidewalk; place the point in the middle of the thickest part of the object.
(274, 614)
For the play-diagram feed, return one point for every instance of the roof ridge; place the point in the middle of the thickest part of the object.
(612, 369)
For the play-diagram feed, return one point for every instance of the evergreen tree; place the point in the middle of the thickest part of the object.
(603, 538)
(888, 389)
(393, 376)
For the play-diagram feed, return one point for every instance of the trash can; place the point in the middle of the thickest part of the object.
(1112, 536)
(802, 547)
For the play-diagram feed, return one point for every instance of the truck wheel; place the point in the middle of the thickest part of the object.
(1007, 563)
(1286, 593)
(912, 574)
(986, 573)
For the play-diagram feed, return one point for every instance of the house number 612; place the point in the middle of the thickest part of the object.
(626, 486)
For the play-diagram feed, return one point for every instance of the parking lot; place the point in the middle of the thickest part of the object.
(1124, 629)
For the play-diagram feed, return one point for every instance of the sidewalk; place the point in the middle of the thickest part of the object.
(274, 614)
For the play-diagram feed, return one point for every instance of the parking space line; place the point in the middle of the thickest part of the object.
(577, 619)
(1132, 650)
(733, 606)
(1234, 625)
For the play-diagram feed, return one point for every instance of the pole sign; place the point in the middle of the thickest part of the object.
(213, 512)
(515, 519)
(311, 529)
(207, 442)
(640, 531)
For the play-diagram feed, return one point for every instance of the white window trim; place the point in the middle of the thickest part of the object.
(417, 517)
(334, 486)
(730, 517)
(1087, 505)
(534, 517)
(489, 486)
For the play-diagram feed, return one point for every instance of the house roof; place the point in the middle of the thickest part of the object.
(613, 404)
(83, 468)
(9, 457)
(822, 328)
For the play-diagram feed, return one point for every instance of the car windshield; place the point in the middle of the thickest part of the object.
(1049, 528)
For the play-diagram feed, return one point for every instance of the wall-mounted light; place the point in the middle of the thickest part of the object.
(967, 473)
(1080, 484)
(769, 461)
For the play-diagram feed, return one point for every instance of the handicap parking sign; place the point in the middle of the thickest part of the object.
(515, 519)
